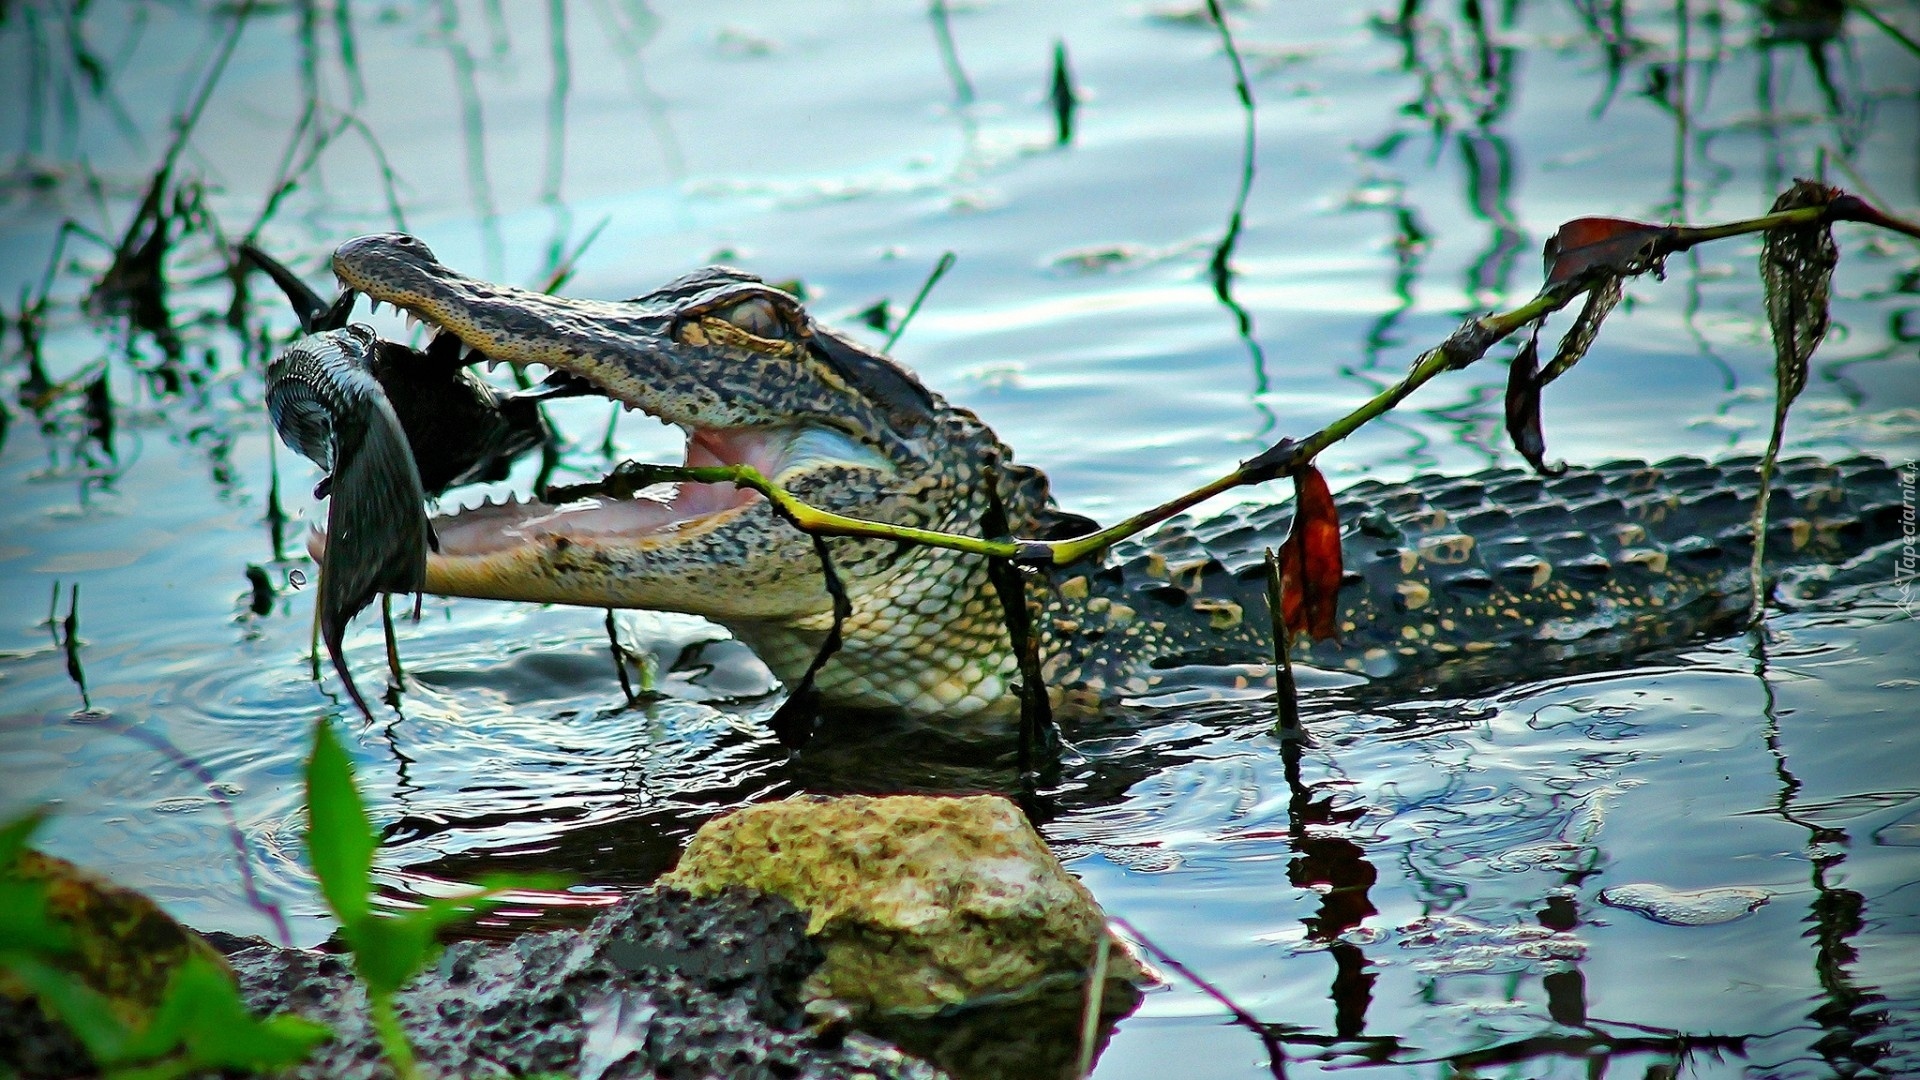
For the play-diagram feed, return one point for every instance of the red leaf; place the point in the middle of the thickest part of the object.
(1310, 566)
(1583, 244)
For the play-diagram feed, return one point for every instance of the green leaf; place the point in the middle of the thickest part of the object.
(84, 1010)
(25, 925)
(14, 836)
(202, 1012)
(340, 840)
(389, 951)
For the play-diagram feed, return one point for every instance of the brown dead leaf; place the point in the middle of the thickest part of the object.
(1523, 407)
(1796, 264)
(1617, 244)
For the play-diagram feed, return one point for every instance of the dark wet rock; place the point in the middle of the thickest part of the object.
(662, 985)
(34, 1045)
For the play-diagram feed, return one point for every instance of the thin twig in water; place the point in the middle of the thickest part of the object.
(619, 657)
(949, 54)
(1221, 266)
(1892, 31)
(1286, 695)
(67, 635)
(564, 268)
(1096, 994)
(1038, 738)
(393, 643)
(933, 277)
(1061, 95)
(1276, 1053)
(794, 720)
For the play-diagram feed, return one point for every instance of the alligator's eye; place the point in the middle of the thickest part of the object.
(757, 316)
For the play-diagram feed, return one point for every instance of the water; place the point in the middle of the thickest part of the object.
(1426, 889)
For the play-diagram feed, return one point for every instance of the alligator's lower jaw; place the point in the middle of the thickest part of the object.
(498, 527)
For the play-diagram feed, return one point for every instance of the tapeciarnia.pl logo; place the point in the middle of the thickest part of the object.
(1906, 572)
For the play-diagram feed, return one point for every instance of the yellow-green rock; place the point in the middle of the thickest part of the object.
(921, 902)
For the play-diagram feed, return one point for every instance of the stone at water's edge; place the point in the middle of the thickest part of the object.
(123, 947)
(921, 902)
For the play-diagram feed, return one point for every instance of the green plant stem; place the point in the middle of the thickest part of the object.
(1466, 345)
(393, 1038)
(1061, 552)
(1892, 31)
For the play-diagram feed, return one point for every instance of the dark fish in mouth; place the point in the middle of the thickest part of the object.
(393, 426)
(460, 429)
(327, 405)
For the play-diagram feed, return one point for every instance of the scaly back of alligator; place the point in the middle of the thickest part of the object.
(1500, 572)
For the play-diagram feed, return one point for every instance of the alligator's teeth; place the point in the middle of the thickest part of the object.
(373, 306)
(413, 322)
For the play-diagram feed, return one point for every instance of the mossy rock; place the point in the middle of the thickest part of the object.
(922, 903)
(121, 944)
(111, 941)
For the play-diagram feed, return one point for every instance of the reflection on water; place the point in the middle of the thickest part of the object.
(1421, 885)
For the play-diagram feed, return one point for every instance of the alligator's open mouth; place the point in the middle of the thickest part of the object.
(616, 509)
(607, 511)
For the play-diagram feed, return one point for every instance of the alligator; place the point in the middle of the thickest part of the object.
(1499, 573)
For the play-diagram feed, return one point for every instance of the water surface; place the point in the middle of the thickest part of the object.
(1426, 889)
